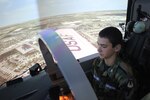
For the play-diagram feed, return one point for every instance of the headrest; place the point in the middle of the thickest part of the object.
(139, 27)
(136, 26)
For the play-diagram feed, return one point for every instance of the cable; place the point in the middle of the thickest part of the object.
(14, 77)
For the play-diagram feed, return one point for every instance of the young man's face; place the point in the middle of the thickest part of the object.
(105, 48)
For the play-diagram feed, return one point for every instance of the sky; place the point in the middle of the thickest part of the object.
(18, 11)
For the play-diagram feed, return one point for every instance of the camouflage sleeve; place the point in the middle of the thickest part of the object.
(121, 78)
(126, 84)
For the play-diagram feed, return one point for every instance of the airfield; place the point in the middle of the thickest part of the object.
(19, 49)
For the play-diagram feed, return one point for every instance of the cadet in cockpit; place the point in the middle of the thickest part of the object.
(112, 78)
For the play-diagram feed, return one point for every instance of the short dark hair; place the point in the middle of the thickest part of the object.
(113, 34)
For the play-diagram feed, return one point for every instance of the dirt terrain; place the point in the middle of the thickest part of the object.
(19, 48)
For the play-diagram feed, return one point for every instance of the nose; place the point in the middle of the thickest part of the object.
(99, 49)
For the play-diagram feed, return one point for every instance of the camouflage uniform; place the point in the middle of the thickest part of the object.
(112, 83)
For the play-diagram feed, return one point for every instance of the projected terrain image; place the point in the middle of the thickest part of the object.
(19, 49)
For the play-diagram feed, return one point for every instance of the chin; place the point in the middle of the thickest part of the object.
(101, 56)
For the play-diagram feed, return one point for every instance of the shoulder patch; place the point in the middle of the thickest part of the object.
(130, 84)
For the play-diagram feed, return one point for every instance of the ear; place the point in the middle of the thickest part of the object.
(117, 48)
